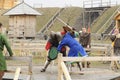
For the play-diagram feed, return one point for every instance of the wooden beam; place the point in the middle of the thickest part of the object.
(65, 71)
(21, 58)
(96, 49)
(94, 11)
(113, 58)
(91, 72)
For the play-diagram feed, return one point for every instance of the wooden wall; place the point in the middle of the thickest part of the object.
(7, 4)
(22, 26)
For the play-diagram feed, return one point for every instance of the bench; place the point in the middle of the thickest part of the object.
(18, 74)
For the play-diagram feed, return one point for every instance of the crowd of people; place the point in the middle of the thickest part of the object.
(66, 38)
(80, 48)
(115, 38)
(57, 43)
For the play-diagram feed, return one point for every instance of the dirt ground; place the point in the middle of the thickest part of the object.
(97, 72)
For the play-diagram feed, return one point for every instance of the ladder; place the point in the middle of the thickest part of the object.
(50, 22)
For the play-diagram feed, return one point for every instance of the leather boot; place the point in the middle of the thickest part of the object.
(83, 64)
(88, 64)
(78, 65)
(45, 67)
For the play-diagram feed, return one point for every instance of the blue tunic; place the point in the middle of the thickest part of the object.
(74, 45)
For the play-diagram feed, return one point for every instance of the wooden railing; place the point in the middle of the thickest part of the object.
(26, 47)
(62, 69)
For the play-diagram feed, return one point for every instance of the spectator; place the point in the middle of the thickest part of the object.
(115, 38)
(84, 40)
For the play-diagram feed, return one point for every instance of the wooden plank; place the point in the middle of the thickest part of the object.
(100, 44)
(29, 49)
(97, 48)
(17, 73)
(91, 72)
(65, 71)
(22, 58)
(91, 58)
(10, 76)
(60, 72)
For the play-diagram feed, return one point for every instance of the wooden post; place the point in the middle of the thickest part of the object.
(30, 67)
(65, 70)
(60, 72)
(30, 64)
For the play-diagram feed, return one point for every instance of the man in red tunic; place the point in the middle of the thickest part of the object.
(53, 42)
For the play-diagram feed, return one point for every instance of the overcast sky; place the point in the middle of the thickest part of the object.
(64, 3)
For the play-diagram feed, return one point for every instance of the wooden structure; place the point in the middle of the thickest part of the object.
(62, 69)
(22, 21)
(7, 4)
(98, 3)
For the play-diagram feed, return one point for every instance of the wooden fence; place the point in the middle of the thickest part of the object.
(62, 69)
(27, 47)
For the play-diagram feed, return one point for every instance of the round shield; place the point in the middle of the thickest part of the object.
(53, 53)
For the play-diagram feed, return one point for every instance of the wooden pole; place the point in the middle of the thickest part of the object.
(60, 72)
(30, 67)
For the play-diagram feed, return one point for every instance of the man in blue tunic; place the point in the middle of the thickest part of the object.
(75, 47)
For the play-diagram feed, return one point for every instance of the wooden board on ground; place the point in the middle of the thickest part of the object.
(21, 76)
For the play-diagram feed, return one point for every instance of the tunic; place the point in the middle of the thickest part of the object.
(84, 39)
(4, 42)
(116, 46)
(75, 47)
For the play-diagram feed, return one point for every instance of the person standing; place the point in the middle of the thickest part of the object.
(84, 40)
(115, 38)
(51, 47)
(76, 50)
(3, 42)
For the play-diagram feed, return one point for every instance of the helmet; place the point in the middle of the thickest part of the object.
(59, 36)
(52, 34)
